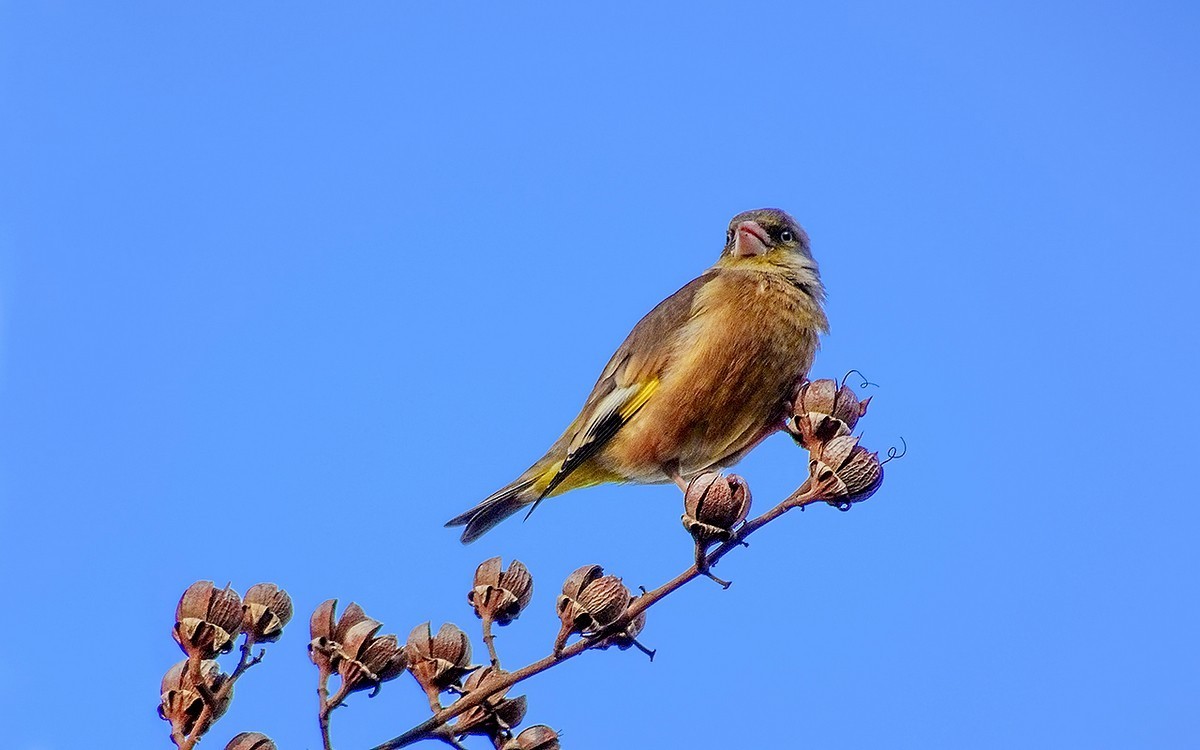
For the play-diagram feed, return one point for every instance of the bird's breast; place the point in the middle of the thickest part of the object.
(751, 337)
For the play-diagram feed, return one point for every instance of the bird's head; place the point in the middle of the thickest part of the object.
(765, 237)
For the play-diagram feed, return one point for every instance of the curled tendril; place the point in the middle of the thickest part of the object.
(865, 382)
(892, 453)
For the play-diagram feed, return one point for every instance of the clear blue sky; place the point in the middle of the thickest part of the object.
(286, 286)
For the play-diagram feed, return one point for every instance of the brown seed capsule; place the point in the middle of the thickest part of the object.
(497, 714)
(824, 410)
(604, 600)
(207, 619)
(251, 741)
(438, 662)
(590, 601)
(351, 647)
(536, 737)
(266, 609)
(500, 595)
(714, 506)
(183, 698)
(366, 661)
(848, 472)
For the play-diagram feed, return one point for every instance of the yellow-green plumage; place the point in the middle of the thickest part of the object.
(700, 380)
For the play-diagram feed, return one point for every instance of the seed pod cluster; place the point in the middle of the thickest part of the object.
(208, 620)
(351, 647)
(824, 417)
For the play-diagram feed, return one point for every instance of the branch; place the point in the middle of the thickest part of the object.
(809, 492)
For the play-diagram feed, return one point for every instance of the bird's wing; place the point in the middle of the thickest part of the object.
(629, 380)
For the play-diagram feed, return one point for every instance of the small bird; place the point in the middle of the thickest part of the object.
(707, 375)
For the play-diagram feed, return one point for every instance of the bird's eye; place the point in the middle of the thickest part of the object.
(786, 235)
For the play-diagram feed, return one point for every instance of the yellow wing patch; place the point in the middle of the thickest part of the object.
(610, 414)
(639, 399)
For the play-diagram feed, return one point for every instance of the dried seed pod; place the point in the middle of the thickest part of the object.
(714, 506)
(438, 662)
(325, 649)
(367, 661)
(251, 741)
(500, 595)
(848, 472)
(350, 647)
(590, 601)
(824, 410)
(328, 634)
(536, 737)
(266, 609)
(207, 619)
(604, 600)
(497, 714)
(183, 697)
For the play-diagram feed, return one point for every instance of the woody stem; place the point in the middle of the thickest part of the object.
(490, 640)
(325, 709)
(806, 494)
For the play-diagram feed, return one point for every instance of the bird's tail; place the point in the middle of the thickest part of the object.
(544, 479)
(496, 507)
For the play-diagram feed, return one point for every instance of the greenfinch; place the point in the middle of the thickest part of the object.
(702, 379)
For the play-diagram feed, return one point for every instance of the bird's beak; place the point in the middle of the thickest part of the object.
(749, 239)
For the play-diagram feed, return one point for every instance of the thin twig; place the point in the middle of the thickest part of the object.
(246, 661)
(806, 494)
(323, 719)
(323, 711)
(490, 640)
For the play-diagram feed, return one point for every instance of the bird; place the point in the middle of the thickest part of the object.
(702, 379)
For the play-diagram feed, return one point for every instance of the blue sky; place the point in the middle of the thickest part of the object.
(286, 286)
